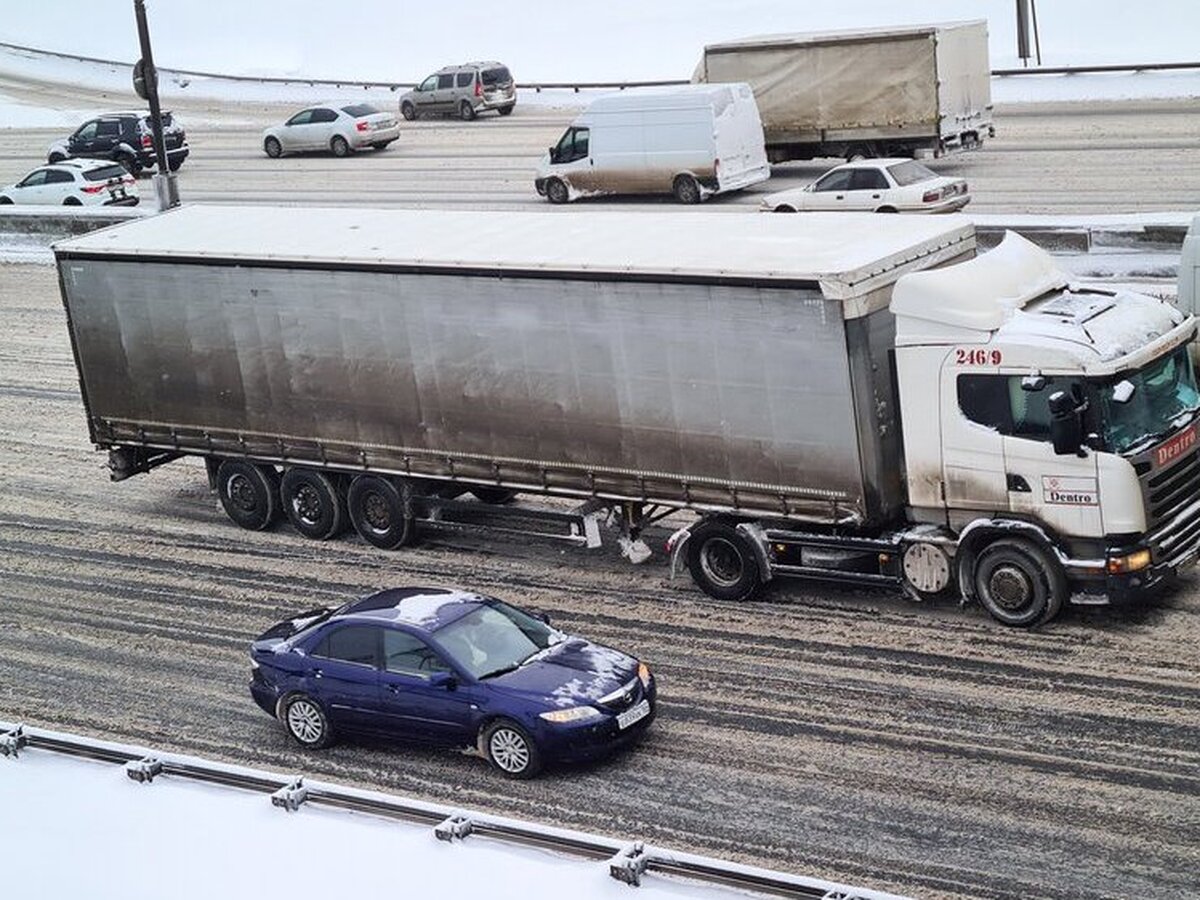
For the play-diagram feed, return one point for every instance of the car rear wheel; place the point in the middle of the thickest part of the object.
(132, 166)
(466, 111)
(273, 148)
(249, 493)
(686, 189)
(306, 722)
(887, 209)
(6, 201)
(784, 208)
(510, 749)
(505, 110)
(338, 146)
(722, 561)
(556, 191)
(72, 201)
(408, 111)
(377, 511)
(380, 145)
(313, 503)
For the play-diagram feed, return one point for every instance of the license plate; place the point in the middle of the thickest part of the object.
(118, 193)
(636, 714)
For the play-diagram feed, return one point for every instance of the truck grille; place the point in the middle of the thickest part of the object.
(1172, 498)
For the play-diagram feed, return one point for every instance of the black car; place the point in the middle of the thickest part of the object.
(123, 137)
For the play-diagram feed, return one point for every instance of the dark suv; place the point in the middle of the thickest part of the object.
(123, 137)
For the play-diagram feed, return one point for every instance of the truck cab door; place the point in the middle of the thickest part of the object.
(972, 404)
(572, 159)
(1062, 491)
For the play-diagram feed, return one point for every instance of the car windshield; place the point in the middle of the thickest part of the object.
(910, 172)
(495, 638)
(359, 109)
(1157, 398)
(104, 173)
(493, 77)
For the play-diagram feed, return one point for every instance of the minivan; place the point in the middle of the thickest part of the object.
(692, 141)
(464, 91)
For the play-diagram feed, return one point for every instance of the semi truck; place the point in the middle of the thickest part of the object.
(863, 400)
(905, 91)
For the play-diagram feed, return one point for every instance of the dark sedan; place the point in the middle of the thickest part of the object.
(455, 668)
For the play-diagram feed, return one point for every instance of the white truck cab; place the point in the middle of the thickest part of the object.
(1048, 426)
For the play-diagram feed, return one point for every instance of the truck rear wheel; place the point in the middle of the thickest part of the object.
(249, 493)
(722, 562)
(377, 511)
(313, 503)
(1018, 583)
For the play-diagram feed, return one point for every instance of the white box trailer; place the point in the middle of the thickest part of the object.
(992, 431)
(692, 141)
(866, 92)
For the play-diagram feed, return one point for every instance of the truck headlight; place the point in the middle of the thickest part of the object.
(571, 714)
(1130, 562)
(644, 674)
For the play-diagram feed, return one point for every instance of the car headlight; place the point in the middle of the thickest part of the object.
(571, 714)
(644, 674)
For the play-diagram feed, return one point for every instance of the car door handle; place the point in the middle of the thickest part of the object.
(875, 196)
(841, 196)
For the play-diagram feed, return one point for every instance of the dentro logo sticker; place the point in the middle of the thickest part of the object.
(1175, 447)
(1070, 491)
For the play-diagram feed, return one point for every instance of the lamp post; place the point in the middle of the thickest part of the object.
(145, 83)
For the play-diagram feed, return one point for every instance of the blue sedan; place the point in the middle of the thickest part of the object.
(455, 668)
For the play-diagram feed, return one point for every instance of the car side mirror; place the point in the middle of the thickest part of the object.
(1066, 424)
(443, 680)
(542, 617)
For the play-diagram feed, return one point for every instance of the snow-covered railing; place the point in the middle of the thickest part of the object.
(628, 861)
(576, 86)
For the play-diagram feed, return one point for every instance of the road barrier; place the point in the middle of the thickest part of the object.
(629, 861)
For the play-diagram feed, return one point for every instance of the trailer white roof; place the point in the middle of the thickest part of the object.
(849, 34)
(848, 253)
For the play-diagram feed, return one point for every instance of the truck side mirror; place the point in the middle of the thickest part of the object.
(1066, 426)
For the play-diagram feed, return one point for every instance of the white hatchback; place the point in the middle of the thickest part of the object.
(339, 130)
(75, 182)
(874, 185)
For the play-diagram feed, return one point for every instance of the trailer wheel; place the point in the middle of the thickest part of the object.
(249, 493)
(722, 562)
(313, 503)
(1018, 583)
(377, 511)
(686, 189)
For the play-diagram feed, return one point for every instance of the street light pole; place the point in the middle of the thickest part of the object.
(145, 82)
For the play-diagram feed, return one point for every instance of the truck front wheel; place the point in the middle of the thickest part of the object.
(722, 562)
(249, 493)
(1018, 583)
(377, 511)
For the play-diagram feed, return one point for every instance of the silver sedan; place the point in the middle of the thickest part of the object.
(339, 130)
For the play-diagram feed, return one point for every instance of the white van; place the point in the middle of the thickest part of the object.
(690, 141)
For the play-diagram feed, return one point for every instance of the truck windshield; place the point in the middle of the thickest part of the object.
(1162, 392)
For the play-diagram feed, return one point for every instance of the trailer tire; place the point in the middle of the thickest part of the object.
(378, 512)
(249, 493)
(723, 562)
(313, 504)
(1018, 583)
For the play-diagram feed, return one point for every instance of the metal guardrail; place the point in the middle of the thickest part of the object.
(628, 861)
(575, 86)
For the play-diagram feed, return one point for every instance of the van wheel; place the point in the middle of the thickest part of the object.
(505, 110)
(408, 111)
(1018, 583)
(466, 111)
(249, 493)
(312, 503)
(556, 191)
(686, 189)
(338, 146)
(377, 511)
(722, 561)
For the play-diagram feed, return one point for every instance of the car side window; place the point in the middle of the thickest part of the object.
(34, 179)
(323, 115)
(108, 129)
(407, 654)
(57, 176)
(87, 132)
(445, 81)
(301, 118)
(429, 84)
(357, 644)
(867, 180)
(464, 79)
(834, 181)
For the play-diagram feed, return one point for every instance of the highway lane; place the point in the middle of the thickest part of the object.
(832, 732)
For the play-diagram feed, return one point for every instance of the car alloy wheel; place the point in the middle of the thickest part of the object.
(305, 721)
(509, 750)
